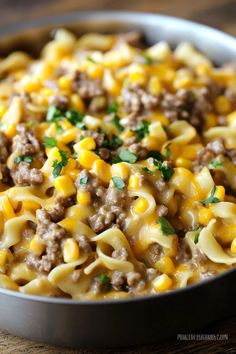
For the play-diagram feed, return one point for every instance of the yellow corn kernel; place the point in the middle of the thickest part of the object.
(220, 193)
(205, 215)
(210, 120)
(160, 117)
(102, 170)
(154, 86)
(87, 144)
(162, 283)
(65, 186)
(71, 164)
(70, 250)
(3, 110)
(110, 84)
(95, 71)
(87, 158)
(83, 198)
(46, 92)
(182, 82)
(233, 246)
(36, 246)
(191, 152)
(1, 221)
(3, 258)
(137, 78)
(65, 124)
(165, 265)
(126, 134)
(152, 143)
(69, 135)
(73, 173)
(182, 162)
(6, 208)
(30, 84)
(202, 69)
(222, 105)
(120, 169)
(30, 205)
(64, 83)
(140, 205)
(231, 118)
(77, 102)
(134, 182)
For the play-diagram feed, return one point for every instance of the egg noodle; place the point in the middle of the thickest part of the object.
(117, 168)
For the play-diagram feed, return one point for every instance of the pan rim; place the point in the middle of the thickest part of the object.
(138, 18)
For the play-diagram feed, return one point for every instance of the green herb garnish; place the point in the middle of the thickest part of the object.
(49, 141)
(156, 155)
(113, 107)
(58, 165)
(168, 152)
(147, 59)
(196, 238)
(105, 280)
(83, 180)
(75, 117)
(53, 114)
(152, 172)
(27, 159)
(127, 156)
(166, 227)
(117, 124)
(166, 171)
(89, 58)
(118, 182)
(142, 130)
(214, 164)
(211, 199)
(113, 143)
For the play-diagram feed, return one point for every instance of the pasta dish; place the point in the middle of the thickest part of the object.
(117, 167)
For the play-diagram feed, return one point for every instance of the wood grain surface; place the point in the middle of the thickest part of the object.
(216, 13)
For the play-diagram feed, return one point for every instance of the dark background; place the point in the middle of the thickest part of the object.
(216, 13)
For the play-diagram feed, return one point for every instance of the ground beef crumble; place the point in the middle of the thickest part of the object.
(135, 99)
(87, 88)
(25, 143)
(52, 235)
(4, 153)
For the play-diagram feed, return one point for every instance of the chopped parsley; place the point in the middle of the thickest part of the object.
(83, 180)
(168, 152)
(142, 130)
(113, 143)
(58, 165)
(214, 164)
(118, 183)
(113, 107)
(147, 59)
(89, 58)
(196, 238)
(211, 199)
(166, 227)
(27, 159)
(166, 171)
(127, 156)
(105, 280)
(49, 141)
(75, 117)
(117, 123)
(53, 114)
(152, 172)
(156, 155)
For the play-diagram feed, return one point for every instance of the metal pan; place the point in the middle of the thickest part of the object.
(120, 322)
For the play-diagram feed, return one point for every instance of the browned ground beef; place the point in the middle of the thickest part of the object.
(139, 150)
(87, 88)
(132, 281)
(135, 99)
(59, 101)
(84, 244)
(4, 153)
(25, 143)
(110, 208)
(186, 105)
(121, 254)
(52, 235)
(23, 175)
(98, 137)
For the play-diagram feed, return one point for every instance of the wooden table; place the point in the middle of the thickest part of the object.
(216, 13)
